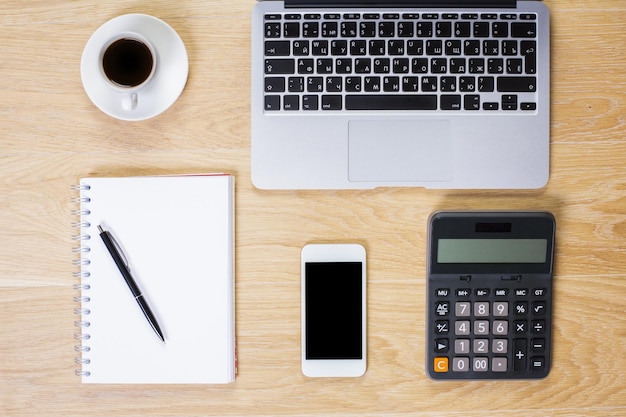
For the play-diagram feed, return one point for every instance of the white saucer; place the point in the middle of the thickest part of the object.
(170, 77)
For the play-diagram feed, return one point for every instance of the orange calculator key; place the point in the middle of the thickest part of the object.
(441, 364)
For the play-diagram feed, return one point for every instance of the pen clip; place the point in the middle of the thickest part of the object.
(119, 250)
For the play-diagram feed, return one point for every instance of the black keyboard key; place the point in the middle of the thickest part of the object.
(382, 65)
(334, 84)
(310, 29)
(367, 29)
(424, 29)
(509, 48)
(319, 48)
(274, 84)
(377, 47)
(405, 29)
(305, 66)
(500, 29)
(443, 29)
(391, 102)
(331, 102)
(524, 29)
(391, 84)
(485, 84)
(291, 30)
(280, 66)
(410, 84)
(514, 66)
(386, 29)
(395, 47)
(517, 84)
(353, 84)
(450, 102)
(309, 102)
(339, 47)
(343, 65)
(348, 30)
(315, 84)
(291, 102)
(481, 29)
(509, 102)
(434, 47)
(330, 30)
(471, 102)
(324, 65)
(462, 29)
(429, 84)
(528, 50)
(277, 48)
(295, 84)
(495, 66)
(301, 48)
(272, 103)
(371, 84)
(272, 30)
(362, 65)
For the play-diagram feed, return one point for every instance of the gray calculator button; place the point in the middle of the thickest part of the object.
(481, 345)
(462, 309)
(500, 327)
(481, 309)
(462, 327)
(501, 309)
(461, 346)
(500, 346)
(480, 364)
(481, 327)
(499, 365)
(460, 364)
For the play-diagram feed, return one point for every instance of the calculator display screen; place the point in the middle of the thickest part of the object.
(498, 251)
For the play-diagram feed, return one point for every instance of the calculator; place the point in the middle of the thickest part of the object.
(489, 295)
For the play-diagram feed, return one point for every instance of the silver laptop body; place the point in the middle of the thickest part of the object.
(352, 95)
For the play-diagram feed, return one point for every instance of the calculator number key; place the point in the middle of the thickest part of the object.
(501, 309)
(480, 364)
(481, 327)
(500, 346)
(462, 309)
(481, 309)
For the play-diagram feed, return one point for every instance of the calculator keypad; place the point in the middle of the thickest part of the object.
(497, 332)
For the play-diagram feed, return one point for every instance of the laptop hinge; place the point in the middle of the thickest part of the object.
(401, 3)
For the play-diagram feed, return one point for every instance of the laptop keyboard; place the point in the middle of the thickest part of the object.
(453, 62)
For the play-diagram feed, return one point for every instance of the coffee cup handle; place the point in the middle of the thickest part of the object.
(129, 101)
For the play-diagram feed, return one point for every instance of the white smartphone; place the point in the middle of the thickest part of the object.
(333, 310)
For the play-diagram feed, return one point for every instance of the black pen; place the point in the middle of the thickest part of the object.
(117, 255)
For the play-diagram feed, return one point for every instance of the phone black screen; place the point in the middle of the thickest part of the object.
(333, 321)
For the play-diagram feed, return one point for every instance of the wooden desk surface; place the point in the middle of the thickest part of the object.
(52, 135)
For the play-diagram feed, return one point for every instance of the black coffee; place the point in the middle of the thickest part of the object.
(127, 62)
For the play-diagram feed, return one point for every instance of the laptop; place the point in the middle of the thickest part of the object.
(442, 94)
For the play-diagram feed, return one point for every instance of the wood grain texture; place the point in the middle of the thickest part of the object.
(52, 135)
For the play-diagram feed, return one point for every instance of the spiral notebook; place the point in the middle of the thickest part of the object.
(177, 235)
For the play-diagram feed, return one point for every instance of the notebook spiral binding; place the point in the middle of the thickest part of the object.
(81, 262)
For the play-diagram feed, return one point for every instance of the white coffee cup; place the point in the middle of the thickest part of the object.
(128, 62)
(134, 92)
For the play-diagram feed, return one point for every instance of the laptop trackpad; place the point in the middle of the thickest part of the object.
(400, 150)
